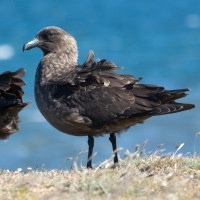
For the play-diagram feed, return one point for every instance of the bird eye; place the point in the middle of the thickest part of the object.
(44, 36)
(52, 34)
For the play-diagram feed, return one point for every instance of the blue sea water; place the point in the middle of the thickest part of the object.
(156, 40)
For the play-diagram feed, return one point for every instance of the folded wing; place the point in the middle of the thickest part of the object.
(102, 96)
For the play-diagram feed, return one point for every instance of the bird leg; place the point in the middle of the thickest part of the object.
(112, 139)
(91, 145)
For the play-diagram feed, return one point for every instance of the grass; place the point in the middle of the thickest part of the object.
(139, 175)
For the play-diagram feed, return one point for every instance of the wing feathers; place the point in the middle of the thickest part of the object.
(102, 95)
(11, 101)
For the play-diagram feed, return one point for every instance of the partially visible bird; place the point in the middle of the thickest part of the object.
(11, 102)
(91, 99)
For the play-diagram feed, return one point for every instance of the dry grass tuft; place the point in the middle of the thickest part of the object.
(140, 175)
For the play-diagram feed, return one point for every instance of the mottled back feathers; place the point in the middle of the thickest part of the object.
(104, 96)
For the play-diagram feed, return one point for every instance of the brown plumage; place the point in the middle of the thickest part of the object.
(11, 102)
(91, 99)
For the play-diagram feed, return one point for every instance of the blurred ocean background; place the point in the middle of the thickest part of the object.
(156, 40)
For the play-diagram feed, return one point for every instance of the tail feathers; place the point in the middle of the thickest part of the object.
(168, 104)
(177, 91)
(169, 96)
(172, 108)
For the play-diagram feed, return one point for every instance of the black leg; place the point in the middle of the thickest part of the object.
(91, 145)
(112, 139)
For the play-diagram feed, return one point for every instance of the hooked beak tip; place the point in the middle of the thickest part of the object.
(31, 44)
(24, 48)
